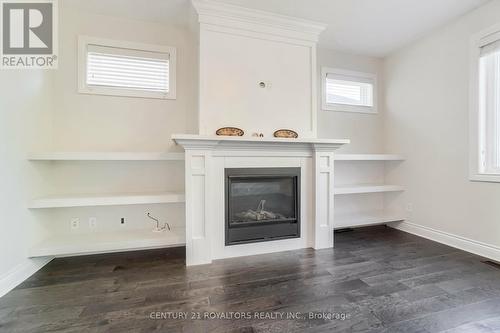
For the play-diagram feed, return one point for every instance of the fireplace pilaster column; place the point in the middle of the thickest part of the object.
(324, 197)
(198, 176)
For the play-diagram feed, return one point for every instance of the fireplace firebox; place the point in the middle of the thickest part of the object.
(262, 204)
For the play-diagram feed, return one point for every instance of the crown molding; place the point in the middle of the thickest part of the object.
(216, 14)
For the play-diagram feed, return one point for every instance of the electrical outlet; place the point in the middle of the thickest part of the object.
(122, 221)
(92, 222)
(409, 207)
(75, 223)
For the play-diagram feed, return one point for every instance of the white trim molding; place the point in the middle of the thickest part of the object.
(459, 242)
(212, 13)
(21, 272)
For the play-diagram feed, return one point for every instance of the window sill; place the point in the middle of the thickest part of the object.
(125, 93)
(485, 178)
(349, 108)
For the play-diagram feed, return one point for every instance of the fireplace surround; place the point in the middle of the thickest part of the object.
(262, 204)
(207, 158)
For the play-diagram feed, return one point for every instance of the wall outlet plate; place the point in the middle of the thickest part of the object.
(75, 223)
(92, 222)
(409, 207)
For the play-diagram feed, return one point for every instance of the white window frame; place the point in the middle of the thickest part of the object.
(83, 88)
(344, 107)
(475, 132)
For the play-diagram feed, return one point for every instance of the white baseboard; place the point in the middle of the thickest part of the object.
(20, 273)
(482, 249)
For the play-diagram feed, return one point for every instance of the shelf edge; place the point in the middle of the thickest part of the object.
(105, 156)
(344, 190)
(104, 200)
(369, 157)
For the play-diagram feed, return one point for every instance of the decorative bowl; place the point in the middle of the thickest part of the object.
(230, 131)
(286, 133)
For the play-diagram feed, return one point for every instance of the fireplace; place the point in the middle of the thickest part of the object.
(262, 204)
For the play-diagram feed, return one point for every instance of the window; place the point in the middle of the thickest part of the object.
(485, 107)
(348, 91)
(126, 69)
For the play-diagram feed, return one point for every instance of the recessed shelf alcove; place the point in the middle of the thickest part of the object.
(361, 194)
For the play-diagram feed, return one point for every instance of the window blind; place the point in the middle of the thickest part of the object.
(127, 69)
(344, 89)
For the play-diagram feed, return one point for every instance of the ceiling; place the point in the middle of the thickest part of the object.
(160, 11)
(367, 27)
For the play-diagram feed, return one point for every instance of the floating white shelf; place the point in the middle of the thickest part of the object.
(369, 157)
(98, 242)
(106, 156)
(107, 200)
(367, 188)
(366, 219)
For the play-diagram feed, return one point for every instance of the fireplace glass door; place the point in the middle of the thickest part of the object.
(262, 204)
(262, 200)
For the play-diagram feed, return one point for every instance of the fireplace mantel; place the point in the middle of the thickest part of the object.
(193, 141)
(206, 158)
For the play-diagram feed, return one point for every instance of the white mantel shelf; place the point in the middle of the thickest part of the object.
(246, 143)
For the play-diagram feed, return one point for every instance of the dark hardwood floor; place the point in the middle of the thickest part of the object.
(376, 280)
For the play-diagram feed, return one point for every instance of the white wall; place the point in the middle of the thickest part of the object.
(25, 124)
(364, 130)
(96, 122)
(427, 120)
